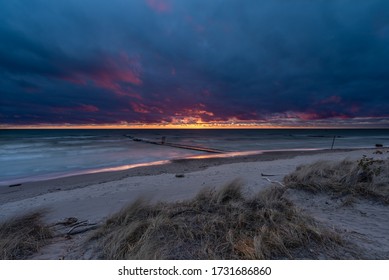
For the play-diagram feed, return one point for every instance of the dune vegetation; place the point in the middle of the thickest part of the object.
(219, 224)
(224, 223)
(22, 236)
(364, 178)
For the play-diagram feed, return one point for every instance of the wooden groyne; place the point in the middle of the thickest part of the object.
(187, 147)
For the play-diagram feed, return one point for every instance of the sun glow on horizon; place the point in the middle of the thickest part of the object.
(142, 126)
(175, 126)
(196, 122)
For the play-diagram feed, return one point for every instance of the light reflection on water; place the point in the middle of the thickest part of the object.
(56, 175)
(37, 155)
(247, 153)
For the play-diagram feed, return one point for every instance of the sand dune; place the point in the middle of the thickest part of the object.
(95, 197)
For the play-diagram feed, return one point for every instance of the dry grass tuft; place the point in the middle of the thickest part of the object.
(20, 237)
(367, 178)
(216, 225)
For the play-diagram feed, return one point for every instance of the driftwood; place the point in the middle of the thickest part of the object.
(77, 225)
(71, 226)
(87, 227)
(273, 182)
(268, 175)
(67, 222)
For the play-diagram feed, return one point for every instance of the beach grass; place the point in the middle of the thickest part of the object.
(22, 236)
(364, 178)
(217, 224)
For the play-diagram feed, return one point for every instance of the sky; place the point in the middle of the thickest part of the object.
(194, 63)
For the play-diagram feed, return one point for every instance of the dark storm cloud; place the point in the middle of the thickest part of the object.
(165, 60)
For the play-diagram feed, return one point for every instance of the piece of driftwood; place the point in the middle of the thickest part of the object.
(71, 226)
(67, 221)
(76, 225)
(86, 228)
(268, 175)
(274, 182)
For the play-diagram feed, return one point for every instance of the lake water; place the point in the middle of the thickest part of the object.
(40, 154)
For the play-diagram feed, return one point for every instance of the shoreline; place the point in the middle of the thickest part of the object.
(59, 175)
(25, 189)
(157, 181)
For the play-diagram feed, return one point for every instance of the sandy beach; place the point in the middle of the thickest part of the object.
(94, 197)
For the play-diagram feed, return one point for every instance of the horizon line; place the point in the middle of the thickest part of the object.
(187, 127)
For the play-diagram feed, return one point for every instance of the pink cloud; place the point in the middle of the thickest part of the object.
(80, 108)
(139, 108)
(152, 107)
(306, 116)
(123, 69)
(194, 113)
(128, 69)
(343, 117)
(160, 6)
(332, 99)
(354, 108)
(31, 89)
(116, 74)
(87, 108)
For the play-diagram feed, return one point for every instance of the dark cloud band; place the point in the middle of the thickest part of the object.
(158, 61)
